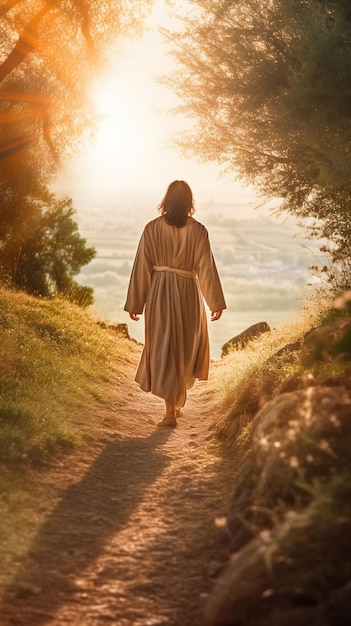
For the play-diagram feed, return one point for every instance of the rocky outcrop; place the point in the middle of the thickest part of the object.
(291, 568)
(328, 342)
(240, 341)
(119, 329)
(245, 579)
(305, 433)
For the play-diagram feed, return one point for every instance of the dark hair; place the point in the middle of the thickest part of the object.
(177, 204)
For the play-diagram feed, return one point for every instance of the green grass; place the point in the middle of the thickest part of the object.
(56, 367)
(294, 494)
(54, 360)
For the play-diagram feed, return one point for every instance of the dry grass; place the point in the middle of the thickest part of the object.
(245, 379)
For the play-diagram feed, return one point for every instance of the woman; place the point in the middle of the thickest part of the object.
(173, 271)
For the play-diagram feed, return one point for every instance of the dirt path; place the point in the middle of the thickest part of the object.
(130, 538)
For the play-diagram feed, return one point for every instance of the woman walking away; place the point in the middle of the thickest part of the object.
(173, 272)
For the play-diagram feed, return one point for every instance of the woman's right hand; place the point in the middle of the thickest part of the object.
(134, 317)
(215, 315)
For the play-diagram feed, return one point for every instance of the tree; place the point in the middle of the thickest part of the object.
(268, 85)
(50, 50)
(41, 249)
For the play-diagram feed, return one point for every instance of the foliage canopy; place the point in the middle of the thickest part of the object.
(268, 85)
(41, 249)
(50, 50)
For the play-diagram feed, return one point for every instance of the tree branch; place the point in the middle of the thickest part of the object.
(8, 6)
(27, 42)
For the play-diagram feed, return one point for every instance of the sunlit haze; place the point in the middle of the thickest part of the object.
(122, 176)
(133, 146)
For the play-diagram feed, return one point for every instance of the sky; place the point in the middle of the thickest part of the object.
(120, 178)
(133, 148)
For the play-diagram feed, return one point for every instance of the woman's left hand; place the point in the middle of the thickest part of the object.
(215, 315)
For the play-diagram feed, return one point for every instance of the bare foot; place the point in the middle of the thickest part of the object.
(168, 421)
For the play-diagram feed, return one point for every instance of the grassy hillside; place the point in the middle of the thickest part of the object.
(285, 404)
(58, 369)
(54, 358)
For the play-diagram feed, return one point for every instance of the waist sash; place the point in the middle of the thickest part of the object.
(175, 270)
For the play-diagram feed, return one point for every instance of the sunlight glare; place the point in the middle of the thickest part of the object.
(120, 137)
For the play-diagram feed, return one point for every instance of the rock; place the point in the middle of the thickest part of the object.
(303, 431)
(327, 342)
(289, 351)
(302, 616)
(310, 406)
(289, 384)
(245, 579)
(337, 609)
(120, 329)
(214, 568)
(240, 341)
(276, 413)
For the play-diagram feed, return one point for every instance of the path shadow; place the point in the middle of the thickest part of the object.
(89, 514)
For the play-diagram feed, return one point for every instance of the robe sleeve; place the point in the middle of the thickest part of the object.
(140, 279)
(209, 280)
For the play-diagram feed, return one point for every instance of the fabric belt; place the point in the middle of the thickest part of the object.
(175, 270)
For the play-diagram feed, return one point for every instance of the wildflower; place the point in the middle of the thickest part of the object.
(263, 442)
(220, 521)
(324, 445)
(267, 592)
(265, 535)
(293, 461)
(334, 420)
(343, 301)
(291, 434)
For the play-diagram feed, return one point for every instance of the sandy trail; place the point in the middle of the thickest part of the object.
(129, 538)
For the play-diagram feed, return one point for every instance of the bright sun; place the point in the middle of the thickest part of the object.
(134, 123)
(120, 136)
(133, 144)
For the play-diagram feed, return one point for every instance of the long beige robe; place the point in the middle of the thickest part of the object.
(176, 349)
